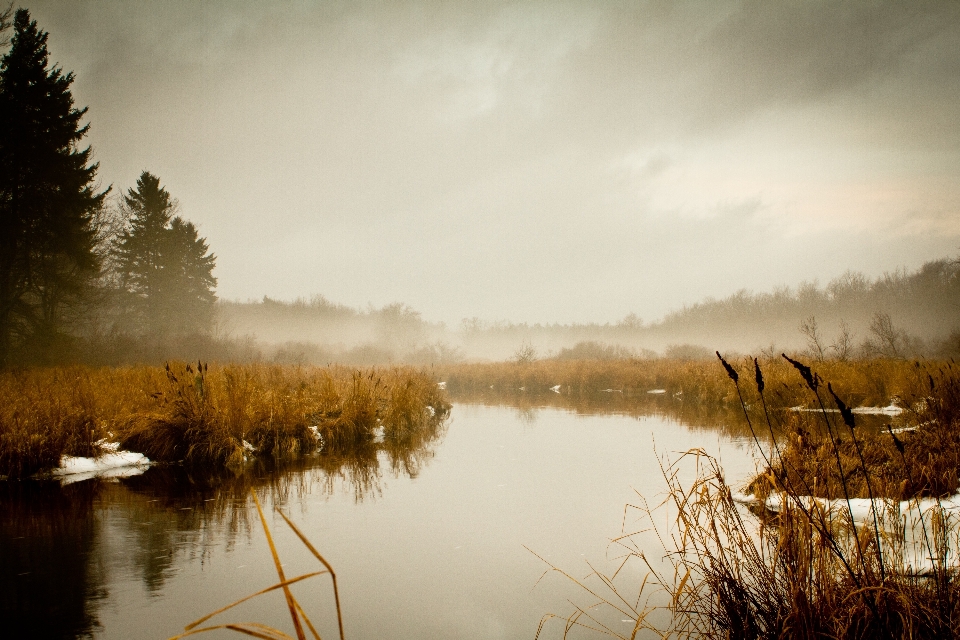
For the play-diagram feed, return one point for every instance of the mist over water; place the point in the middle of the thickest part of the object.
(560, 212)
(530, 163)
(902, 314)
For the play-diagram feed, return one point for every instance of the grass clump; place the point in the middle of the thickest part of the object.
(200, 414)
(814, 559)
(917, 454)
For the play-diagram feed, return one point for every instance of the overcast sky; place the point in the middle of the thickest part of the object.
(534, 162)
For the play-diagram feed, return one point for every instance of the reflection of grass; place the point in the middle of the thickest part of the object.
(202, 414)
(48, 586)
(297, 615)
(810, 570)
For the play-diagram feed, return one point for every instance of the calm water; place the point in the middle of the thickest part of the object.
(427, 545)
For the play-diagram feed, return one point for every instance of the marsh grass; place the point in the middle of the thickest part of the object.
(827, 453)
(200, 414)
(861, 382)
(810, 570)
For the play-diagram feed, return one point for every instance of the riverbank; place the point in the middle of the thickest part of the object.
(862, 382)
(207, 414)
(853, 532)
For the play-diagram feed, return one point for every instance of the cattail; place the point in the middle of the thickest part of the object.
(896, 440)
(845, 411)
(812, 379)
(759, 376)
(730, 371)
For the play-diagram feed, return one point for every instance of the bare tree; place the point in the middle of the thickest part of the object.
(815, 346)
(887, 341)
(842, 346)
(526, 353)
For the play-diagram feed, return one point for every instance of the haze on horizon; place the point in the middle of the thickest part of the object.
(538, 162)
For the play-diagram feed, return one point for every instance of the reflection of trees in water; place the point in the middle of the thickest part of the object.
(56, 545)
(48, 536)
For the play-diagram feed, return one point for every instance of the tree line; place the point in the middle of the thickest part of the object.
(79, 270)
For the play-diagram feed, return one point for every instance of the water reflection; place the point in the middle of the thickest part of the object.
(57, 558)
(426, 529)
(49, 579)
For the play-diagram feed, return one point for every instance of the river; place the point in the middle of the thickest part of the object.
(434, 543)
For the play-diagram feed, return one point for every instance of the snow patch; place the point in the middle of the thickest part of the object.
(315, 431)
(889, 410)
(120, 464)
(911, 519)
(104, 445)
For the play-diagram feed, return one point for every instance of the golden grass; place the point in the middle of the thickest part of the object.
(862, 382)
(828, 454)
(207, 414)
(808, 571)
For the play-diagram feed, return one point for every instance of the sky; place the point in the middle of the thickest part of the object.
(530, 161)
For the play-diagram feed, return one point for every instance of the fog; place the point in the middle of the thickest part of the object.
(899, 315)
(530, 162)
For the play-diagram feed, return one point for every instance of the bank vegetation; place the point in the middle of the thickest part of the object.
(202, 414)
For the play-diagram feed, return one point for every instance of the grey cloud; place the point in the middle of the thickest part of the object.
(491, 158)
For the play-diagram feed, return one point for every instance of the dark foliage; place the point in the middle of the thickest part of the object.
(164, 269)
(48, 200)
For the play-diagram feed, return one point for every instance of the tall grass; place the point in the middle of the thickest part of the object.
(207, 414)
(810, 568)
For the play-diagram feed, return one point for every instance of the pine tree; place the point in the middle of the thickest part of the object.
(165, 268)
(48, 197)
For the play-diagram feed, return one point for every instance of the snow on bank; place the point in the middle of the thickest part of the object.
(861, 508)
(911, 519)
(889, 410)
(120, 464)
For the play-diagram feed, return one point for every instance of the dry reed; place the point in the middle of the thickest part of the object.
(297, 615)
(810, 570)
(862, 382)
(207, 414)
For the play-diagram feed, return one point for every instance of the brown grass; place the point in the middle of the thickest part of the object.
(808, 571)
(916, 454)
(862, 382)
(201, 414)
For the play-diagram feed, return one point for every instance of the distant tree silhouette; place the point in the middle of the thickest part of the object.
(48, 198)
(165, 270)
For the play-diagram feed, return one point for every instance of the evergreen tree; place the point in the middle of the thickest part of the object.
(48, 199)
(165, 268)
